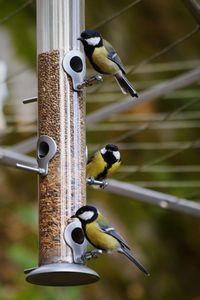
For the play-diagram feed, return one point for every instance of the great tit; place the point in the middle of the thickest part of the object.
(104, 162)
(102, 236)
(105, 60)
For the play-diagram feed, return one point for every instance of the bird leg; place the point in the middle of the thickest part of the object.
(90, 81)
(91, 254)
(101, 183)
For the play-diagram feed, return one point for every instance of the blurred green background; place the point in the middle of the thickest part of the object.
(167, 242)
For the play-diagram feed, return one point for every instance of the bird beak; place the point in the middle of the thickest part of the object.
(74, 216)
(80, 38)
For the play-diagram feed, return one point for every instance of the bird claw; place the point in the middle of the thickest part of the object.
(90, 81)
(94, 79)
(91, 254)
(104, 184)
(101, 183)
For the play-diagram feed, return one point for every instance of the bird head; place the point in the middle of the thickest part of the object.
(91, 38)
(86, 214)
(111, 153)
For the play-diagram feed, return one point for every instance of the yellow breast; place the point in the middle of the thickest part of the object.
(100, 239)
(114, 168)
(99, 57)
(96, 166)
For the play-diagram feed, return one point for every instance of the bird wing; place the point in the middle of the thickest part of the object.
(112, 232)
(113, 56)
(91, 158)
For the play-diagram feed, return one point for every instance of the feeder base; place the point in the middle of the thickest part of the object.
(61, 274)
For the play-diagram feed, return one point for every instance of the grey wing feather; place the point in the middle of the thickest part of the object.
(112, 55)
(111, 231)
(92, 157)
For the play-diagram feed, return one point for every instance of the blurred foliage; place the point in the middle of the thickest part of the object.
(22, 27)
(166, 242)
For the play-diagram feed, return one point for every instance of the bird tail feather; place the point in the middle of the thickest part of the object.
(127, 253)
(125, 85)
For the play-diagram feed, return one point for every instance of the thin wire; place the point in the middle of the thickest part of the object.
(168, 155)
(15, 12)
(179, 124)
(166, 49)
(116, 15)
(149, 146)
(147, 125)
(154, 116)
(162, 169)
(164, 157)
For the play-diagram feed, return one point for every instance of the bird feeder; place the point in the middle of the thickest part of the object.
(61, 145)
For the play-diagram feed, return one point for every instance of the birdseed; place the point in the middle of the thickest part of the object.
(62, 191)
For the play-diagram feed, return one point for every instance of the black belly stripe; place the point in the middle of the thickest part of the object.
(103, 174)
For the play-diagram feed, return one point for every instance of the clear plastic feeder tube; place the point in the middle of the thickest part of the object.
(62, 117)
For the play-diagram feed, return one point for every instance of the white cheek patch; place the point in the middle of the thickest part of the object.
(116, 155)
(87, 215)
(93, 41)
(103, 150)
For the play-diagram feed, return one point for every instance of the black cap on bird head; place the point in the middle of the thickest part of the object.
(111, 147)
(87, 214)
(90, 33)
(91, 38)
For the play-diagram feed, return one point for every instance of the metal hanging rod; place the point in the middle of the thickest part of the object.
(26, 146)
(149, 196)
(153, 93)
(168, 184)
(11, 158)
